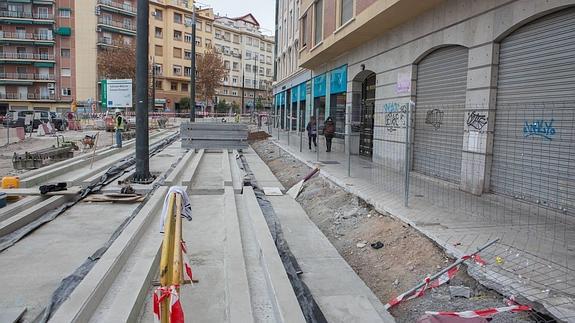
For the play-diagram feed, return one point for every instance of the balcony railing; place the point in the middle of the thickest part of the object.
(27, 76)
(26, 96)
(117, 24)
(27, 56)
(26, 15)
(26, 36)
(118, 5)
(109, 42)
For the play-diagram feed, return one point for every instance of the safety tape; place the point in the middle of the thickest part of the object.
(487, 312)
(176, 311)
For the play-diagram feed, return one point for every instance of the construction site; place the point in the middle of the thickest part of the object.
(264, 237)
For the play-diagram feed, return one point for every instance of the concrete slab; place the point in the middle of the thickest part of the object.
(16, 207)
(190, 172)
(30, 214)
(209, 179)
(12, 315)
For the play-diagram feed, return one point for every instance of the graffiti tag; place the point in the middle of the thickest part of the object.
(476, 120)
(541, 128)
(435, 118)
(395, 116)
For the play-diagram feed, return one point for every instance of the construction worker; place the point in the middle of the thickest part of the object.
(119, 127)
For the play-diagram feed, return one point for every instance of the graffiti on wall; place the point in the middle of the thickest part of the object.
(435, 118)
(395, 115)
(540, 128)
(476, 120)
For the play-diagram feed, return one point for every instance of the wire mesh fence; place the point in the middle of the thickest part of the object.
(468, 175)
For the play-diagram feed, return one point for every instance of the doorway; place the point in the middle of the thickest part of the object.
(367, 110)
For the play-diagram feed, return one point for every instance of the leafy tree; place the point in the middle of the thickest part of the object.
(211, 72)
(259, 104)
(235, 107)
(117, 63)
(222, 106)
(184, 103)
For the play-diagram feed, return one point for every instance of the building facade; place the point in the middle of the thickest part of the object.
(170, 46)
(468, 93)
(37, 55)
(248, 56)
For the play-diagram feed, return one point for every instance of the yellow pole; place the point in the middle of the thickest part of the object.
(177, 256)
(166, 257)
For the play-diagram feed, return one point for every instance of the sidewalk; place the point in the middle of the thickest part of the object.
(536, 246)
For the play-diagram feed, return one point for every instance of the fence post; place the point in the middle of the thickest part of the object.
(348, 154)
(407, 148)
(300, 140)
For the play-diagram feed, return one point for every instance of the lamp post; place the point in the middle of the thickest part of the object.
(142, 173)
(193, 68)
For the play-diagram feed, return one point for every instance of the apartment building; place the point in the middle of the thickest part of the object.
(408, 78)
(101, 24)
(248, 55)
(171, 48)
(292, 82)
(37, 55)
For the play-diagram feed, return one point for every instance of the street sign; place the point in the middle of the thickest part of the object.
(116, 93)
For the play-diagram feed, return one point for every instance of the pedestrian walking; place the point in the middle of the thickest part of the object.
(311, 132)
(329, 132)
(120, 123)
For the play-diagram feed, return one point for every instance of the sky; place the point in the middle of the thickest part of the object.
(263, 10)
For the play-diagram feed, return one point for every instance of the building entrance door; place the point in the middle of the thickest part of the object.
(366, 117)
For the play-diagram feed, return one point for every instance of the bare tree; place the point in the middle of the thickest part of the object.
(117, 63)
(211, 72)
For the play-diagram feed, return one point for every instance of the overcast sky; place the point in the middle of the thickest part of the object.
(263, 10)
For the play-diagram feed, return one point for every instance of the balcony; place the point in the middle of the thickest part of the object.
(11, 16)
(27, 77)
(27, 96)
(20, 37)
(6, 56)
(118, 7)
(117, 26)
(108, 42)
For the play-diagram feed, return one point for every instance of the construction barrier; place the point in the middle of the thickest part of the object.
(175, 269)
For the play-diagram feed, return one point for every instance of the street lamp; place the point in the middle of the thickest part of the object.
(193, 68)
(142, 173)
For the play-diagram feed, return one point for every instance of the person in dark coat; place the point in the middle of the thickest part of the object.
(329, 132)
(311, 132)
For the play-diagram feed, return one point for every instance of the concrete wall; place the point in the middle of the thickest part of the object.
(477, 25)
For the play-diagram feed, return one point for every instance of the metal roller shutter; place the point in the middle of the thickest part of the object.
(534, 136)
(439, 113)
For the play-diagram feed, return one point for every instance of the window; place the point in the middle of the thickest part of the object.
(64, 12)
(248, 40)
(346, 11)
(158, 14)
(187, 71)
(227, 36)
(227, 65)
(177, 70)
(199, 41)
(187, 54)
(66, 72)
(187, 37)
(234, 80)
(235, 93)
(248, 68)
(225, 91)
(256, 42)
(218, 34)
(248, 54)
(159, 32)
(208, 27)
(177, 52)
(177, 35)
(159, 50)
(236, 66)
(159, 69)
(174, 86)
(318, 22)
(65, 52)
(184, 87)
(198, 25)
(236, 39)
(268, 59)
(66, 91)
(177, 18)
(208, 43)
(127, 40)
(268, 72)
(159, 84)
(303, 31)
(128, 23)
(269, 48)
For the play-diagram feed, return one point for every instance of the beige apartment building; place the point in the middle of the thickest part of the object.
(37, 55)
(170, 46)
(248, 55)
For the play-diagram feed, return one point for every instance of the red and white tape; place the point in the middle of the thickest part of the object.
(444, 278)
(487, 312)
(176, 311)
(186, 261)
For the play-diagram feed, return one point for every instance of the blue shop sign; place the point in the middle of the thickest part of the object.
(319, 86)
(338, 80)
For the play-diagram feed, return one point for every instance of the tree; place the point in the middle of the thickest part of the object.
(222, 106)
(211, 72)
(117, 63)
(259, 105)
(235, 107)
(184, 103)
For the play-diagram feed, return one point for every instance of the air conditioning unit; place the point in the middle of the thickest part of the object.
(98, 29)
(51, 85)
